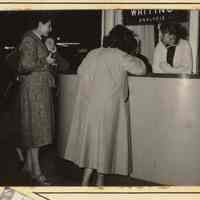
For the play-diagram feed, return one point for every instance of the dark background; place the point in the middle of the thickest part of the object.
(72, 26)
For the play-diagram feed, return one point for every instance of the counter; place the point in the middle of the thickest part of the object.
(165, 126)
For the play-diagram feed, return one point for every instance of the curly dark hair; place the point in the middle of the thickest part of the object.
(175, 29)
(40, 16)
(122, 38)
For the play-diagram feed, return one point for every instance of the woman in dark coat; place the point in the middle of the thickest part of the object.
(36, 104)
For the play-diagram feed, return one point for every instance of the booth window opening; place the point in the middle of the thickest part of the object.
(152, 28)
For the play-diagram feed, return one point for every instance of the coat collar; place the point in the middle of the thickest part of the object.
(36, 37)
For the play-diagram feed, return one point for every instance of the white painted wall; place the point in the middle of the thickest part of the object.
(145, 33)
(194, 36)
(110, 18)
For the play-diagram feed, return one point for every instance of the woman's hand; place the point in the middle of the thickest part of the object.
(165, 67)
(50, 60)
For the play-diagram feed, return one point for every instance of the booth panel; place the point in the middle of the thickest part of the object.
(165, 127)
(165, 115)
(67, 93)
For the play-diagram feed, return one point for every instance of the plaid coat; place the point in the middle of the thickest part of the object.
(36, 104)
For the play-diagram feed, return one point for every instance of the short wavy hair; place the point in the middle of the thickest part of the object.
(122, 38)
(40, 16)
(173, 28)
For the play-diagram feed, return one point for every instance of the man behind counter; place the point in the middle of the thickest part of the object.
(173, 54)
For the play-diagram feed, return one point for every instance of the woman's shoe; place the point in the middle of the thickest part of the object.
(41, 180)
(20, 166)
(100, 180)
(26, 170)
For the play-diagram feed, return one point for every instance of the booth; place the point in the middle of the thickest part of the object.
(164, 111)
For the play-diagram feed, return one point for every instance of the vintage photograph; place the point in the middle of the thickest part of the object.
(99, 97)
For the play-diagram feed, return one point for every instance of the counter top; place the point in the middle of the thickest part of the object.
(179, 76)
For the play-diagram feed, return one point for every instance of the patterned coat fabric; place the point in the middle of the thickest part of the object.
(99, 137)
(36, 102)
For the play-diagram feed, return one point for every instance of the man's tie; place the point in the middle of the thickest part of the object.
(170, 54)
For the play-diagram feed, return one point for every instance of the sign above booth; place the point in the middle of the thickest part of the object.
(137, 17)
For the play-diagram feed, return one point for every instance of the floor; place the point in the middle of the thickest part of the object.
(59, 171)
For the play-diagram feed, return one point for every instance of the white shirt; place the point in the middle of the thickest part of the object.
(182, 58)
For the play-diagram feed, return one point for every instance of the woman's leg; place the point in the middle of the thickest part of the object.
(35, 162)
(28, 162)
(20, 154)
(100, 179)
(86, 176)
(36, 170)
